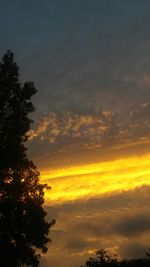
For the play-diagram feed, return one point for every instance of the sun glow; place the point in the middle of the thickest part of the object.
(93, 180)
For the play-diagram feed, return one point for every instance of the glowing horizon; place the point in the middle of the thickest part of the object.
(93, 180)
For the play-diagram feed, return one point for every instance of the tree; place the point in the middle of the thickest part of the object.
(23, 227)
(103, 259)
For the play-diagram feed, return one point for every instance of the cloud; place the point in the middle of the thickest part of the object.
(117, 222)
(55, 127)
(104, 64)
(89, 131)
(78, 244)
(134, 249)
(133, 225)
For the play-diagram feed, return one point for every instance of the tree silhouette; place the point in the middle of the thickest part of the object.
(106, 259)
(102, 259)
(23, 227)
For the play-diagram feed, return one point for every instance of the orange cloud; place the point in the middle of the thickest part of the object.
(105, 128)
(88, 181)
(70, 125)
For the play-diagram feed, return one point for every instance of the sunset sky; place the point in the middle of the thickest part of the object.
(90, 61)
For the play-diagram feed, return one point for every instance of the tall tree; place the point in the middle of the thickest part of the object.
(23, 227)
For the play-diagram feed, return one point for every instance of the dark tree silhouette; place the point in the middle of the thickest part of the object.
(23, 227)
(102, 259)
(105, 259)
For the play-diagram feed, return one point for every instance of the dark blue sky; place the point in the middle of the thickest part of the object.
(81, 54)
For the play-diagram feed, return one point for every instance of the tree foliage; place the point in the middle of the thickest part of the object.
(23, 227)
(102, 259)
(105, 259)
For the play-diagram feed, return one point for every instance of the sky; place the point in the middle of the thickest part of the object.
(90, 61)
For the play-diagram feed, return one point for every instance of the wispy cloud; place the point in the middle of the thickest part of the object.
(57, 127)
(103, 128)
(84, 182)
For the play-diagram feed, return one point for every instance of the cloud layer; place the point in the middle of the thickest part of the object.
(67, 132)
(117, 222)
